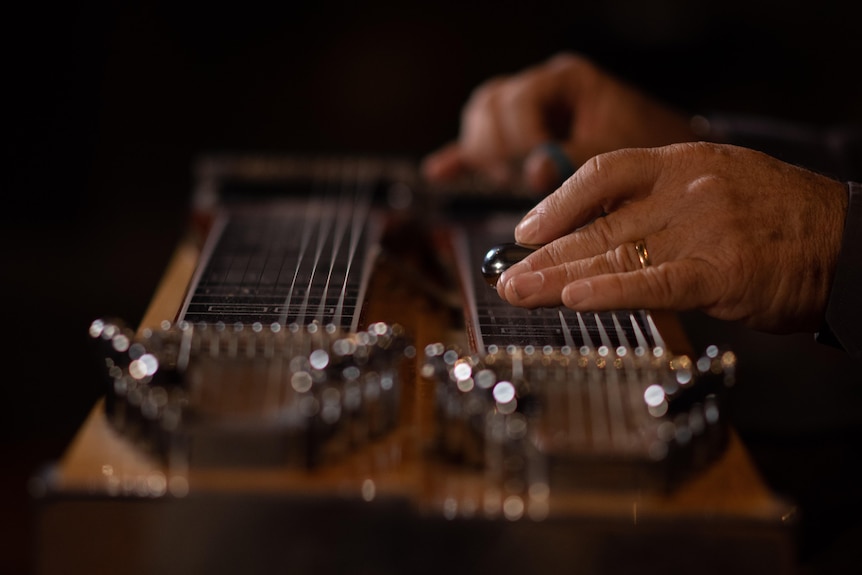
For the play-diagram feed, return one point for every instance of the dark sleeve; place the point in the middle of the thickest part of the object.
(843, 322)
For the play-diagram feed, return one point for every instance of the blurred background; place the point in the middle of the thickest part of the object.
(107, 107)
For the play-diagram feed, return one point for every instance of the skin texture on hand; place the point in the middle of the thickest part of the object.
(567, 100)
(730, 231)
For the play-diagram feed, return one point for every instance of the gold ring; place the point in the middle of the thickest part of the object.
(643, 254)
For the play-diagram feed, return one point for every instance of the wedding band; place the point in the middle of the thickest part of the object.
(643, 254)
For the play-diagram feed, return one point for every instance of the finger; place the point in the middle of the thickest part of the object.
(481, 139)
(611, 237)
(574, 101)
(541, 105)
(508, 117)
(545, 286)
(450, 163)
(445, 164)
(482, 142)
(515, 110)
(598, 186)
(547, 166)
(521, 109)
(680, 285)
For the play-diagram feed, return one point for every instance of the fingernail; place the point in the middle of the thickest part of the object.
(527, 228)
(526, 284)
(577, 292)
(501, 284)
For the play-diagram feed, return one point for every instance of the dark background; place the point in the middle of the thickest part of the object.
(107, 106)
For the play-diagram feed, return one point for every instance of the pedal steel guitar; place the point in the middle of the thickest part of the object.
(325, 383)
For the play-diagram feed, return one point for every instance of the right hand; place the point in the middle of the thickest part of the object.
(730, 231)
(568, 101)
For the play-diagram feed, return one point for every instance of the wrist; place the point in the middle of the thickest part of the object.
(843, 315)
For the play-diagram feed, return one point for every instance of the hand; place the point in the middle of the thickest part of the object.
(733, 232)
(566, 100)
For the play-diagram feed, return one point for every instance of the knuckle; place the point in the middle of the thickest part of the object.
(593, 166)
(517, 92)
(553, 205)
(555, 253)
(600, 233)
(693, 153)
(564, 58)
(657, 285)
(568, 61)
(624, 258)
(681, 286)
(599, 167)
(486, 92)
(570, 272)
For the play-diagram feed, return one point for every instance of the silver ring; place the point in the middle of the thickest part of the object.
(643, 254)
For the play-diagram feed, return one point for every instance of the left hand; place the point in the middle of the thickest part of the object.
(733, 232)
(567, 101)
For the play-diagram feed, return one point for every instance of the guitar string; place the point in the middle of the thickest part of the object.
(585, 334)
(341, 215)
(612, 388)
(647, 377)
(312, 215)
(567, 332)
(286, 243)
(328, 214)
(639, 335)
(331, 219)
(659, 342)
(629, 374)
(603, 334)
(621, 333)
(577, 423)
(598, 421)
(360, 216)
